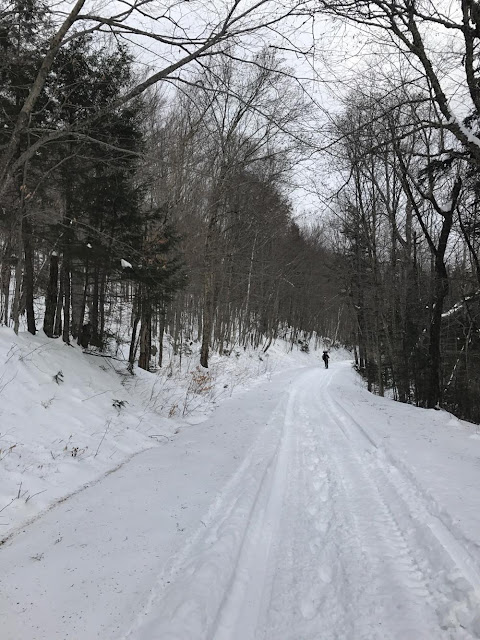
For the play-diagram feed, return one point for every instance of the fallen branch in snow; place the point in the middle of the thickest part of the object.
(20, 495)
(103, 437)
(11, 352)
(96, 395)
(104, 355)
(6, 383)
(7, 505)
(29, 497)
(5, 452)
(25, 355)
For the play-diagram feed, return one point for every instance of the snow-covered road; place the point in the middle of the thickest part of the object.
(304, 509)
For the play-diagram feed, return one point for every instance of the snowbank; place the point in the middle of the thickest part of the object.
(67, 417)
(438, 452)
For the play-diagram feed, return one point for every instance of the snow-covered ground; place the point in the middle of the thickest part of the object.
(67, 417)
(303, 508)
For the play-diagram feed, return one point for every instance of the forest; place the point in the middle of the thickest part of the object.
(151, 162)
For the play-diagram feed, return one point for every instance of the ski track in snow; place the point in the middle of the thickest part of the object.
(321, 533)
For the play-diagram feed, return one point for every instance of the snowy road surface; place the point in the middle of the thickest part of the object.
(306, 509)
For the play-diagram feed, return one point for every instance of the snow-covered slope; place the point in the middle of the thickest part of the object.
(67, 417)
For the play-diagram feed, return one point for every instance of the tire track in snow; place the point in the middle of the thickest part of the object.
(396, 588)
(199, 595)
(433, 555)
(320, 567)
(241, 608)
(465, 551)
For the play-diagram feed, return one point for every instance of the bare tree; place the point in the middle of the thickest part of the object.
(243, 123)
(440, 43)
(169, 30)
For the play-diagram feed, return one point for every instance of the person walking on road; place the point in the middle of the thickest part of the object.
(325, 358)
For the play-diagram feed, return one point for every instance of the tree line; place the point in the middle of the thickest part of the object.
(141, 200)
(165, 213)
(405, 205)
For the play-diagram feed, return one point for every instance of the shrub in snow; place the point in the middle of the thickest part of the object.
(201, 382)
(119, 404)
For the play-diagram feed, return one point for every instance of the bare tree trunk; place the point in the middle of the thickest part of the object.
(208, 292)
(95, 302)
(84, 305)
(207, 321)
(103, 284)
(135, 322)
(18, 278)
(28, 275)
(77, 293)
(17, 295)
(58, 312)
(161, 332)
(66, 300)
(145, 334)
(434, 352)
(5, 278)
(51, 297)
(133, 342)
